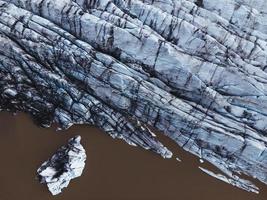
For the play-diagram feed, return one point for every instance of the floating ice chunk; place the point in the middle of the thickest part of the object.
(66, 164)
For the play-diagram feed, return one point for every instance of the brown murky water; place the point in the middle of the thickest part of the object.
(114, 170)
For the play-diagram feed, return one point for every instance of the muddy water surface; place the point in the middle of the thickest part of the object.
(114, 170)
